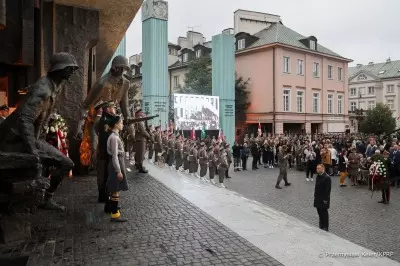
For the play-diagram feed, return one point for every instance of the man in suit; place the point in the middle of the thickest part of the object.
(4, 111)
(322, 195)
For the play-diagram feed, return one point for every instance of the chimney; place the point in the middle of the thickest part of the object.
(359, 65)
(388, 60)
(371, 63)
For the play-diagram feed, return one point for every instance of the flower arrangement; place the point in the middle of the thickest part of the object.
(378, 171)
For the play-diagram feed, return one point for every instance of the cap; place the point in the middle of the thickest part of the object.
(60, 61)
(114, 120)
(4, 108)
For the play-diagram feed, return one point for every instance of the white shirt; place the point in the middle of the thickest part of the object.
(333, 154)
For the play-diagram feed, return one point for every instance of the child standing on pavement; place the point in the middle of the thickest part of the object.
(116, 168)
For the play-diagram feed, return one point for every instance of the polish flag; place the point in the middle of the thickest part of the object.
(193, 134)
(221, 135)
(259, 128)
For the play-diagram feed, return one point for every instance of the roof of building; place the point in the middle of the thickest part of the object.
(278, 33)
(384, 70)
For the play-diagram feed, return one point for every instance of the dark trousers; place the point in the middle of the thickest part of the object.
(310, 170)
(386, 194)
(323, 219)
(270, 158)
(244, 163)
(227, 171)
(254, 163)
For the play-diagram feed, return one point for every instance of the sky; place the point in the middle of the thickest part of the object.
(362, 30)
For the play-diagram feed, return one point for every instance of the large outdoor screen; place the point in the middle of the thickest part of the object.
(196, 111)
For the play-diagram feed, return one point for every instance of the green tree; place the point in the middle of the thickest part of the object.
(241, 98)
(378, 120)
(198, 79)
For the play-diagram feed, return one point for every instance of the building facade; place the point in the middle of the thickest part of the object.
(373, 83)
(296, 84)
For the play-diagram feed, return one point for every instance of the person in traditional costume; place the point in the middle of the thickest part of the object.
(116, 180)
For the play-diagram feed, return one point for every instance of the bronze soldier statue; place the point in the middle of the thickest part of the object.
(25, 129)
(203, 160)
(141, 137)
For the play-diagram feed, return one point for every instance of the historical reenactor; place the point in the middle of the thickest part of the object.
(322, 195)
(103, 131)
(203, 161)
(178, 153)
(186, 149)
(252, 138)
(151, 143)
(171, 150)
(246, 139)
(4, 112)
(25, 129)
(283, 163)
(222, 166)
(228, 158)
(157, 143)
(141, 137)
(193, 159)
(116, 180)
(212, 163)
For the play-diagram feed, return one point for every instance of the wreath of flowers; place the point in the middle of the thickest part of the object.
(57, 122)
(380, 166)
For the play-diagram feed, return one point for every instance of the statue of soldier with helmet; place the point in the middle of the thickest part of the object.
(25, 129)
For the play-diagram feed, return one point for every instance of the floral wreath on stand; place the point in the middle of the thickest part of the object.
(378, 171)
(57, 134)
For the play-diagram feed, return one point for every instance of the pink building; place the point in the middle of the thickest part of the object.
(296, 84)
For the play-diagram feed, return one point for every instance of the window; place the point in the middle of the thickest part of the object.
(316, 70)
(361, 91)
(312, 45)
(390, 104)
(353, 106)
(353, 91)
(286, 64)
(330, 103)
(371, 90)
(330, 72)
(198, 53)
(286, 100)
(340, 104)
(141, 70)
(339, 73)
(185, 57)
(361, 105)
(176, 81)
(300, 66)
(315, 102)
(299, 101)
(390, 88)
(241, 44)
(371, 105)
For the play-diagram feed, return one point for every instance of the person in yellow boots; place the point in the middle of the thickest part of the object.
(116, 181)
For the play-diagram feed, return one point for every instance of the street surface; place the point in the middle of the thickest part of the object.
(163, 229)
(354, 215)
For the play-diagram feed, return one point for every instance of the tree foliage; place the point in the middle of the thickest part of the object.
(378, 120)
(241, 98)
(198, 79)
(132, 93)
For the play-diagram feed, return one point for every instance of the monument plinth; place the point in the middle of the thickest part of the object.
(155, 58)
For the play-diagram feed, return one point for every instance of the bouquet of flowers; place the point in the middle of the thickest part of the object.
(378, 171)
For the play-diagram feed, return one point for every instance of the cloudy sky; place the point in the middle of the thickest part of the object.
(363, 30)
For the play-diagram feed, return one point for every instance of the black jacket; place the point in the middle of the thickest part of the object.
(342, 164)
(236, 151)
(322, 192)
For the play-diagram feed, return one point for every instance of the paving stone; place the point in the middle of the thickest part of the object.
(163, 229)
(353, 214)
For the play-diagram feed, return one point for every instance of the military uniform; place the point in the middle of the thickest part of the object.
(186, 150)
(157, 144)
(212, 164)
(222, 166)
(141, 137)
(193, 160)
(151, 145)
(171, 150)
(283, 163)
(228, 158)
(203, 160)
(178, 154)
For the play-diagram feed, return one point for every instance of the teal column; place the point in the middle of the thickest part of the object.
(155, 60)
(223, 82)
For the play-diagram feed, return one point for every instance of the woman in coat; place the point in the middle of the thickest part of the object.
(116, 181)
(342, 167)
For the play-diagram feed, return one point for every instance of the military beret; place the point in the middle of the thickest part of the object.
(114, 120)
(4, 108)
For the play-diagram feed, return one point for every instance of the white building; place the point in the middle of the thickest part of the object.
(373, 83)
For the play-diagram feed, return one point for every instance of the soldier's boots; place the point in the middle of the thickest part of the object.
(142, 170)
(51, 205)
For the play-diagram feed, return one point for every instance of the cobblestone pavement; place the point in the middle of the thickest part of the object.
(354, 215)
(163, 229)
